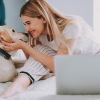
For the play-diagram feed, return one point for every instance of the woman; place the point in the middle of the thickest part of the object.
(58, 34)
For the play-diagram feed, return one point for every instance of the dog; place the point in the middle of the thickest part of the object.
(7, 66)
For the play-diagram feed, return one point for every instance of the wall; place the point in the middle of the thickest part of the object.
(83, 8)
(12, 9)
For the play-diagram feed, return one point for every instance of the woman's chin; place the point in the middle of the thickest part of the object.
(35, 37)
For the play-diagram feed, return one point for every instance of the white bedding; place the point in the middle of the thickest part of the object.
(45, 90)
(43, 87)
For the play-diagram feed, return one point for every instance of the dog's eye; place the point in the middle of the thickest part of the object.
(13, 30)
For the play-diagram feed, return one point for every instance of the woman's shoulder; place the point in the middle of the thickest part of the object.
(71, 31)
(76, 27)
(73, 28)
(76, 22)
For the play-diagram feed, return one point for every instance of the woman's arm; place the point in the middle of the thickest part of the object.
(42, 58)
(26, 54)
(48, 61)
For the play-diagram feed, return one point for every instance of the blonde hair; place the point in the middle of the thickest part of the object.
(55, 20)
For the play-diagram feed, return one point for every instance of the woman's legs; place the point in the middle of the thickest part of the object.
(21, 82)
(32, 71)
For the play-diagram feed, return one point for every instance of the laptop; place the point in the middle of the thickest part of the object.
(77, 74)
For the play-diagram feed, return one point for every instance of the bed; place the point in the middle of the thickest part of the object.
(42, 87)
(45, 90)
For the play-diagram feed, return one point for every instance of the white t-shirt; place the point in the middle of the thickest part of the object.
(84, 42)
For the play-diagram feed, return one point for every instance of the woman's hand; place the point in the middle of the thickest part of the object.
(16, 44)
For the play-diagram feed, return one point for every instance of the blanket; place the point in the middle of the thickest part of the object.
(40, 88)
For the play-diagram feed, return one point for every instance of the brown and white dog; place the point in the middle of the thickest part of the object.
(7, 68)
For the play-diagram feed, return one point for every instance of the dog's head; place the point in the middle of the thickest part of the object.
(8, 33)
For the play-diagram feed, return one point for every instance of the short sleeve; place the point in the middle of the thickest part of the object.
(72, 31)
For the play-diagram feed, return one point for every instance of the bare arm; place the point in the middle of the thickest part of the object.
(42, 58)
(26, 54)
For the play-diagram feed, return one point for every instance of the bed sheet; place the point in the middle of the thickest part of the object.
(45, 90)
(40, 88)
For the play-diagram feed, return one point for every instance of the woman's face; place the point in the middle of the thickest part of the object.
(34, 26)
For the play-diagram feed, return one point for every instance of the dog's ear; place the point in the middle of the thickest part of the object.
(0, 37)
(5, 36)
(0, 32)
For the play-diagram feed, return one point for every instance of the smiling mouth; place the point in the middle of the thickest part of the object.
(31, 33)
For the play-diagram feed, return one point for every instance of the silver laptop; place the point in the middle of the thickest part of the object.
(77, 74)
